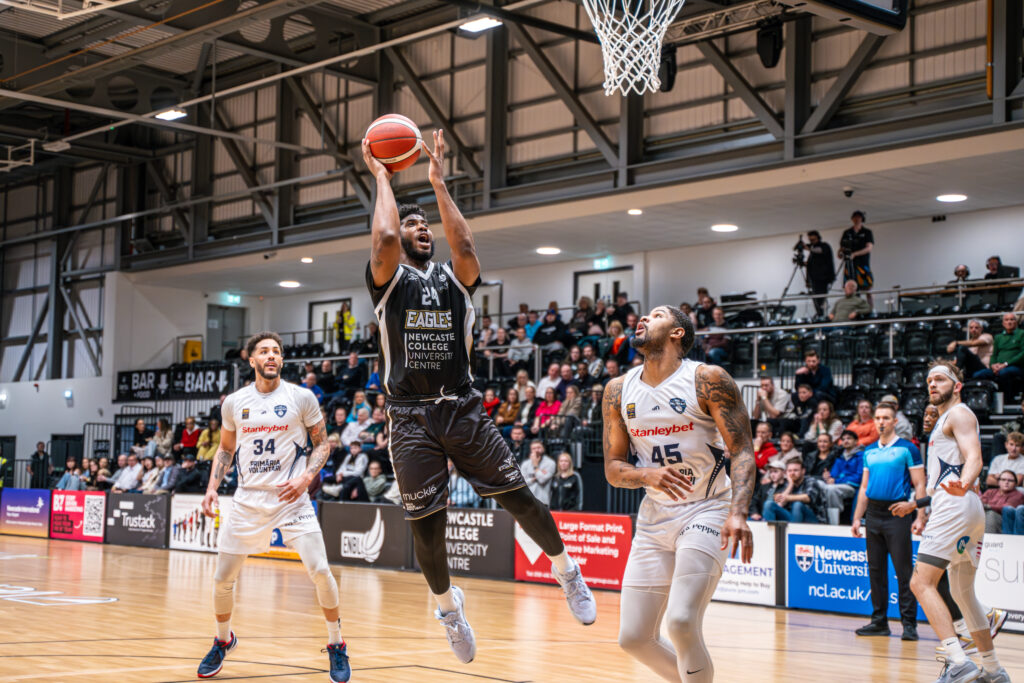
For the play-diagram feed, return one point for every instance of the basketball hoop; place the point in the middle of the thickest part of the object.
(631, 33)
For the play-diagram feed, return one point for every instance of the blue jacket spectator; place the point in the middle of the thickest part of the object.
(310, 383)
(70, 480)
(849, 468)
(533, 323)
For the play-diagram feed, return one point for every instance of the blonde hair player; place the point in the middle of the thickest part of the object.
(683, 420)
(268, 422)
(952, 537)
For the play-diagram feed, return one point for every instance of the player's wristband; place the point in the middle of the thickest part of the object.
(923, 502)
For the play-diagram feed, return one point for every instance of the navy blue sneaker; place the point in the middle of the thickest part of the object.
(214, 659)
(340, 670)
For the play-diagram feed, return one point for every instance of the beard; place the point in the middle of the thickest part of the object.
(416, 254)
(943, 398)
(268, 374)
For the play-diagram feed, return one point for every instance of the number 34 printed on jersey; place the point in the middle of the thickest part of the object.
(260, 446)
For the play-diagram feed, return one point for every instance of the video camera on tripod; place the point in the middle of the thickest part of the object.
(798, 252)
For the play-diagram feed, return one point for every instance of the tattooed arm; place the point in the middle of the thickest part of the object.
(719, 397)
(617, 468)
(293, 489)
(221, 466)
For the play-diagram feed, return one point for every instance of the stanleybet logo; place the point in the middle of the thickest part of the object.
(961, 545)
(364, 545)
(804, 556)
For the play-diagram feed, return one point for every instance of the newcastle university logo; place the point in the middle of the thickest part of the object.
(678, 405)
(804, 556)
(364, 545)
(280, 410)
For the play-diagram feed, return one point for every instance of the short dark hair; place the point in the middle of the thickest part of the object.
(250, 345)
(811, 353)
(682, 320)
(405, 210)
(814, 233)
(791, 436)
(849, 432)
(858, 212)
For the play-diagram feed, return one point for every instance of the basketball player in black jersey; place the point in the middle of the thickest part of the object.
(426, 316)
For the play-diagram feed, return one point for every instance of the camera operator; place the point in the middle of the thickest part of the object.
(855, 248)
(821, 268)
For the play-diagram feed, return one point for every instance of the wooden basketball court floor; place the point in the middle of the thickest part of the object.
(156, 624)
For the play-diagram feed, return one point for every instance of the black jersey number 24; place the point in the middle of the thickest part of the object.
(259, 446)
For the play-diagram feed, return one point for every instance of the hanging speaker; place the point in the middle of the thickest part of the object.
(769, 43)
(667, 69)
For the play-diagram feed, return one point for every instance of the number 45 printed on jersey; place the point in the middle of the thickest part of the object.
(260, 446)
(671, 455)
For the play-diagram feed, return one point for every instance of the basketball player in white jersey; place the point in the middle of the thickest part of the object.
(952, 537)
(681, 420)
(267, 424)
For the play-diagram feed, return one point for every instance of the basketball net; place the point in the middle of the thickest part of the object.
(631, 33)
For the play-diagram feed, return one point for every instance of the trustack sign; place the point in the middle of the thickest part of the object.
(366, 534)
(754, 583)
(208, 380)
(138, 519)
(600, 543)
(78, 515)
(25, 512)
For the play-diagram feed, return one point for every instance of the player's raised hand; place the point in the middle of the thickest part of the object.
(737, 531)
(372, 164)
(669, 481)
(210, 503)
(292, 490)
(955, 488)
(436, 172)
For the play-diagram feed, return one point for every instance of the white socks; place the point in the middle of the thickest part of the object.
(446, 601)
(953, 650)
(334, 632)
(989, 661)
(960, 626)
(563, 563)
(224, 631)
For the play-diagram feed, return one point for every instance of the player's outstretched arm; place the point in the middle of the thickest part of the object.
(385, 235)
(617, 469)
(221, 466)
(964, 426)
(720, 398)
(456, 229)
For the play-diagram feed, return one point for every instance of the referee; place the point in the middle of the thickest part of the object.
(892, 471)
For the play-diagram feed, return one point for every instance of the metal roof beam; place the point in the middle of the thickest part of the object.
(244, 169)
(742, 88)
(829, 104)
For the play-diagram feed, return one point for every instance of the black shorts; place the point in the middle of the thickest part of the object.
(424, 435)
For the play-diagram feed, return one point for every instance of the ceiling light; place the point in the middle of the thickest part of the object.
(952, 198)
(478, 25)
(171, 115)
(725, 227)
(548, 251)
(290, 284)
(635, 212)
(306, 259)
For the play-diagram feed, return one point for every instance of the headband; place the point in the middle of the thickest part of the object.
(943, 370)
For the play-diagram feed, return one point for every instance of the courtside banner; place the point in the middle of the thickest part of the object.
(754, 583)
(366, 534)
(78, 515)
(827, 569)
(138, 519)
(190, 528)
(1000, 580)
(278, 550)
(600, 543)
(479, 543)
(25, 512)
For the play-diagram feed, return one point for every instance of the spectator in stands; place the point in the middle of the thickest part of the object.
(538, 470)
(996, 269)
(771, 405)
(371, 345)
(611, 371)
(1007, 428)
(169, 476)
(819, 463)
(550, 380)
(774, 483)
(844, 477)
(344, 326)
(801, 501)
(460, 492)
(705, 311)
(520, 353)
(1002, 503)
(851, 306)
(591, 417)
(338, 423)
(348, 476)
(864, 424)
(821, 269)
(805, 404)
(764, 449)
(825, 422)
(487, 323)
(508, 410)
(517, 323)
(498, 350)
(818, 375)
(354, 429)
(151, 468)
(310, 383)
(566, 486)
(546, 410)
(191, 479)
(326, 380)
(1011, 461)
(373, 384)
(352, 377)
(163, 438)
(566, 377)
(960, 274)
(582, 378)
(568, 414)
(599, 319)
(581, 316)
(621, 310)
(358, 403)
(214, 411)
(686, 308)
(91, 474)
(103, 476)
(595, 366)
(188, 443)
(619, 349)
(127, 478)
(1007, 357)
(375, 482)
(904, 429)
(523, 382)
(141, 437)
(550, 334)
(518, 444)
(974, 353)
(631, 320)
(39, 467)
(856, 244)
(787, 448)
(575, 355)
(209, 441)
(527, 411)
(717, 344)
(71, 480)
(533, 323)
(491, 403)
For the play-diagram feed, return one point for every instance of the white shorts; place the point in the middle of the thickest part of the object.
(955, 529)
(663, 529)
(255, 513)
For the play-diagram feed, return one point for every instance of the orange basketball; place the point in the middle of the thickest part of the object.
(394, 141)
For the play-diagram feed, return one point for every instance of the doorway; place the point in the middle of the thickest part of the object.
(224, 327)
(603, 284)
(322, 315)
(487, 301)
